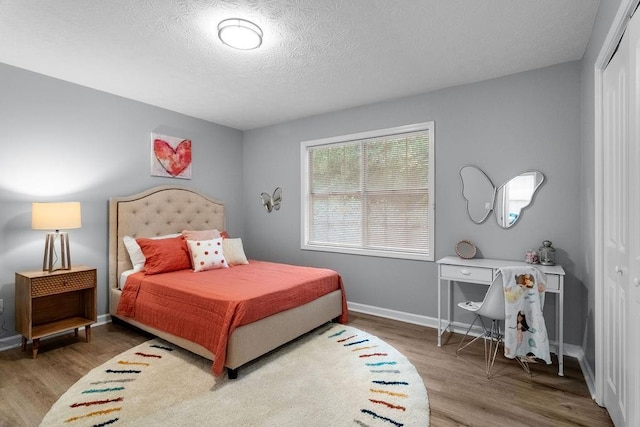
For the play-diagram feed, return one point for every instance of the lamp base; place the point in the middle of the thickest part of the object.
(50, 255)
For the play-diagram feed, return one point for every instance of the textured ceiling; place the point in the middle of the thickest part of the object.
(317, 55)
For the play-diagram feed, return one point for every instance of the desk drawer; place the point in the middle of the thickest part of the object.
(553, 283)
(467, 274)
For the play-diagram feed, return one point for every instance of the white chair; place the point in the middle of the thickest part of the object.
(491, 307)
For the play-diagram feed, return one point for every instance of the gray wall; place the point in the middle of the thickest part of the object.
(525, 121)
(64, 142)
(604, 19)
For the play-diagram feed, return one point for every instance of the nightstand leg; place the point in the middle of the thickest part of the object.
(87, 332)
(36, 346)
(24, 344)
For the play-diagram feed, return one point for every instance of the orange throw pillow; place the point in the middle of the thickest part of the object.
(200, 234)
(164, 255)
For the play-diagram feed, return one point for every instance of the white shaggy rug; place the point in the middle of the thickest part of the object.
(336, 375)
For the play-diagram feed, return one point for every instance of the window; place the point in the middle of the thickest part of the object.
(370, 193)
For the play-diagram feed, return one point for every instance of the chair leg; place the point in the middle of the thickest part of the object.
(462, 347)
(495, 338)
(524, 365)
(492, 340)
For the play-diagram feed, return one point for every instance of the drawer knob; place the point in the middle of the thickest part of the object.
(618, 269)
(465, 272)
(636, 282)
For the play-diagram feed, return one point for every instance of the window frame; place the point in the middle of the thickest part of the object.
(427, 127)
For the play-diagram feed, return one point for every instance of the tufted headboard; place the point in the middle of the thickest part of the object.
(160, 210)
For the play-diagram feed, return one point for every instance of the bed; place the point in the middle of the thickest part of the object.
(169, 209)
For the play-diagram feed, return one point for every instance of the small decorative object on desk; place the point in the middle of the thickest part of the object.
(547, 253)
(531, 257)
(465, 249)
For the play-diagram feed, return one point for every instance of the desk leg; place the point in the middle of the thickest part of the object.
(560, 327)
(439, 312)
(441, 330)
(449, 306)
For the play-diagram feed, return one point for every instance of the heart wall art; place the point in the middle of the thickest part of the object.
(170, 156)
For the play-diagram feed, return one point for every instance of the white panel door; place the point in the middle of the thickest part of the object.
(633, 280)
(615, 235)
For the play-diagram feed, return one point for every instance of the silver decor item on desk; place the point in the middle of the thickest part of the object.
(547, 253)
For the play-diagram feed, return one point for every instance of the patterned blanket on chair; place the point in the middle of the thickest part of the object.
(525, 330)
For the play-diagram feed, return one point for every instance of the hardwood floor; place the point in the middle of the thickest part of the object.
(459, 393)
(28, 387)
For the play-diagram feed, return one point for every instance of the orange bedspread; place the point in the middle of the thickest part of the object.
(206, 307)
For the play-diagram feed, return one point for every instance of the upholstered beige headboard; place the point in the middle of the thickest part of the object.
(160, 210)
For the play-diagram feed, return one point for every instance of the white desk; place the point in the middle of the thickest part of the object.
(483, 271)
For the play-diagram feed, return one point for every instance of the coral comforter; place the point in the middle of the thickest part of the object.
(206, 307)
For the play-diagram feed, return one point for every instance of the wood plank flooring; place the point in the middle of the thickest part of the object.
(459, 393)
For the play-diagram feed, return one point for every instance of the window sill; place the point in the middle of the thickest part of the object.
(368, 252)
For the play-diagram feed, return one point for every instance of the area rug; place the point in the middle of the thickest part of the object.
(336, 375)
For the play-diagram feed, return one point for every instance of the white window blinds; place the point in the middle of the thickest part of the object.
(370, 193)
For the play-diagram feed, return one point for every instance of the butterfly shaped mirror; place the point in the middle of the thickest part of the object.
(271, 202)
(507, 201)
(478, 191)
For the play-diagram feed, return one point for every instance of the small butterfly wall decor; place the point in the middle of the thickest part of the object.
(271, 202)
(507, 201)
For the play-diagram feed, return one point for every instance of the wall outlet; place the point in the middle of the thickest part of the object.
(1, 306)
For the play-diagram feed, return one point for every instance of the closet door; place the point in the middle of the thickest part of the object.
(615, 233)
(633, 348)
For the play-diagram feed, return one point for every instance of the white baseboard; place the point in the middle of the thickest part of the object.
(416, 319)
(587, 373)
(570, 350)
(16, 340)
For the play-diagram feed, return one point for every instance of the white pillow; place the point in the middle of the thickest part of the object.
(234, 252)
(123, 278)
(207, 254)
(135, 253)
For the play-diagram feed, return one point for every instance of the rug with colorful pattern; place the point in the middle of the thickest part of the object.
(336, 375)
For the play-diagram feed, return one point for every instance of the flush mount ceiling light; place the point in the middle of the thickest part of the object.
(240, 34)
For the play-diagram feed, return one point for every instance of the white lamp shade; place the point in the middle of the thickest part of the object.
(240, 34)
(55, 216)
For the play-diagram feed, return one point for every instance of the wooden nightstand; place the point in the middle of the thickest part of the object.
(49, 303)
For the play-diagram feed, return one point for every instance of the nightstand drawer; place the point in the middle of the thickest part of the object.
(55, 284)
(466, 274)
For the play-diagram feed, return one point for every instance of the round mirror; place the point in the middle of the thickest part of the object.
(465, 249)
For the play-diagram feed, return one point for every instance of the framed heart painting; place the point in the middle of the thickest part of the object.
(170, 156)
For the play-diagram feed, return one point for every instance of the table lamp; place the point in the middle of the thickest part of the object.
(56, 216)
